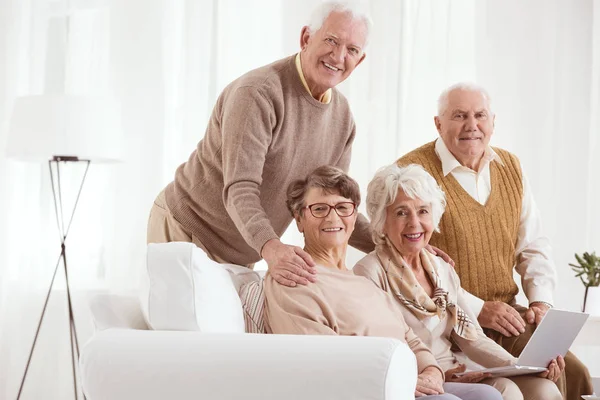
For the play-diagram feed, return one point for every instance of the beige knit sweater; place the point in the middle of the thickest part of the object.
(339, 303)
(265, 131)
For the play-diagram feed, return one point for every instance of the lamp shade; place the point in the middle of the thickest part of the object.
(45, 126)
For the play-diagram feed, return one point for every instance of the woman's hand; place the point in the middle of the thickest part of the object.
(429, 382)
(555, 369)
(471, 377)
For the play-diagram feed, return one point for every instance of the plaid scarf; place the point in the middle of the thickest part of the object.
(410, 293)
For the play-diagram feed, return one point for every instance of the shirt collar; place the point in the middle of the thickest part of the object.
(326, 97)
(450, 163)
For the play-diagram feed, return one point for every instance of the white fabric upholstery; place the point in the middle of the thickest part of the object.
(184, 290)
(116, 311)
(125, 360)
(151, 365)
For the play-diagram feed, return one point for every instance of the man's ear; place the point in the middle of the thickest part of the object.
(438, 124)
(304, 37)
(361, 59)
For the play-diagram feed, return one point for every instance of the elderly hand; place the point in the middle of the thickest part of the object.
(437, 252)
(289, 265)
(555, 369)
(536, 312)
(501, 317)
(429, 382)
(470, 377)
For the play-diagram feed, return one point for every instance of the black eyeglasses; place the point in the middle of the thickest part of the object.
(322, 210)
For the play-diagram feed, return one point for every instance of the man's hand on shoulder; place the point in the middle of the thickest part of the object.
(288, 265)
(501, 317)
(437, 252)
(536, 312)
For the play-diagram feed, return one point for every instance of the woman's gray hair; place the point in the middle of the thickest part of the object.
(357, 9)
(465, 86)
(414, 181)
(328, 178)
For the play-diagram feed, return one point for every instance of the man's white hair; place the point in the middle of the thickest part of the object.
(414, 181)
(466, 86)
(357, 9)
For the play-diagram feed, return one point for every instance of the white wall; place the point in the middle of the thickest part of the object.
(168, 60)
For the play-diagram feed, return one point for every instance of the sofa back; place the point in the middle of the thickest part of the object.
(181, 289)
(110, 310)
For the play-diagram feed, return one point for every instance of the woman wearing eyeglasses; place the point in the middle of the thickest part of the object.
(339, 302)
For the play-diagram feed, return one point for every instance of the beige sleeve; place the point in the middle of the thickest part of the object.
(246, 125)
(295, 310)
(361, 238)
(372, 270)
(483, 350)
(344, 161)
(424, 356)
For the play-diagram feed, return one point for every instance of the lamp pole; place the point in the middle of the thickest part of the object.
(54, 164)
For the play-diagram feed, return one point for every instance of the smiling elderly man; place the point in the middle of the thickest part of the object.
(269, 127)
(492, 226)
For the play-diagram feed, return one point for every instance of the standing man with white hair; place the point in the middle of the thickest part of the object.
(492, 226)
(269, 127)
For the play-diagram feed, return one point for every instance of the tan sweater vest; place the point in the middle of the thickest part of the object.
(481, 239)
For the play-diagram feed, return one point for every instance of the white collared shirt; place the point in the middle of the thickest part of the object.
(533, 251)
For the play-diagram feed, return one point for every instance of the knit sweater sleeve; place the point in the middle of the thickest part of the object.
(248, 119)
(361, 237)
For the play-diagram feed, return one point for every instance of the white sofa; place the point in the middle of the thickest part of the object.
(126, 360)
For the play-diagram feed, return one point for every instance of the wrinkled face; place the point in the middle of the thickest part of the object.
(330, 54)
(330, 231)
(408, 224)
(466, 126)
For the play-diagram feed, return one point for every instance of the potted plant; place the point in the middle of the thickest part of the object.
(588, 270)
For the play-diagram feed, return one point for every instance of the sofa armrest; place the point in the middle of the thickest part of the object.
(125, 364)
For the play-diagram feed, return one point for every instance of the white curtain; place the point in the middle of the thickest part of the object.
(167, 60)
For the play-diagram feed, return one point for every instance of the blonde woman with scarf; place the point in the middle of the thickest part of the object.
(405, 205)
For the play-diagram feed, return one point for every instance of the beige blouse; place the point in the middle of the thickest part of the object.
(438, 334)
(339, 303)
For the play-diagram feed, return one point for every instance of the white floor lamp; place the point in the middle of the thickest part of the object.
(62, 130)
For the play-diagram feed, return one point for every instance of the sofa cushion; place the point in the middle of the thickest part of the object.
(185, 290)
(252, 295)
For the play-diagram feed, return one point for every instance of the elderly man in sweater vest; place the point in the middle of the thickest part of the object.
(269, 127)
(489, 230)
